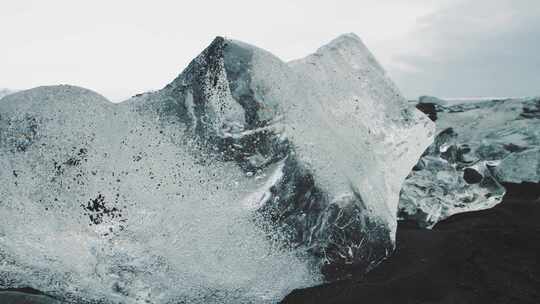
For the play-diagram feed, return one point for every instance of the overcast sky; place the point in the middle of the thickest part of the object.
(448, 48)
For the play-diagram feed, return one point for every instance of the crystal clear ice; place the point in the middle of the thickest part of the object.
(242, 179)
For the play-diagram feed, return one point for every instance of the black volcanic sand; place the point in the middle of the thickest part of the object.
(490, 256)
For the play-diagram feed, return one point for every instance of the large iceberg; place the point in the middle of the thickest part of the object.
(480, 146)
(244, 178)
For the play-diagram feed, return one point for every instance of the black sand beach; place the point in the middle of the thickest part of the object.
(490, 256)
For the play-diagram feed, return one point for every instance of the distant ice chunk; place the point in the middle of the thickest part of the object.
(480, 146)
(432, 100)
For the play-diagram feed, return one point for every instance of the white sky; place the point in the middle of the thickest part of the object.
(120, 48)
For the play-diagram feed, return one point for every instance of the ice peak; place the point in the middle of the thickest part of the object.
(54, 96)
(351, 38)
(212, 58)
(345, 42)
(346, 50)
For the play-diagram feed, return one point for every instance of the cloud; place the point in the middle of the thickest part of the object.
(144, 44)
(480, 48)
(439, 47)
